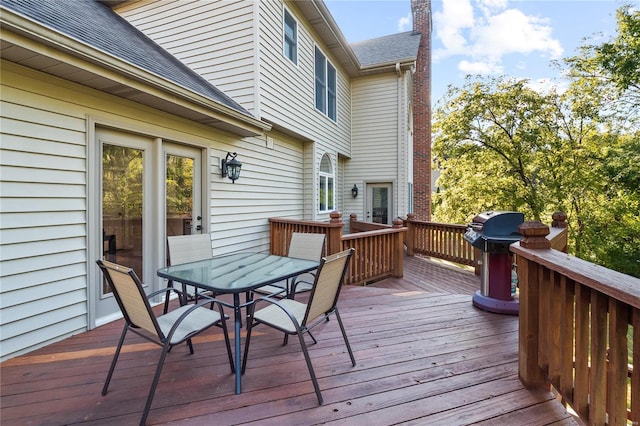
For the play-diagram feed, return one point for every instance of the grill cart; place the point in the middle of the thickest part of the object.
(492, 232)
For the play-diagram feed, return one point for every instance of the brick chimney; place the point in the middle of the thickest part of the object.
(421, 10)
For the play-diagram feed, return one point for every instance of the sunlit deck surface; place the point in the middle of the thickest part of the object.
(425, 356)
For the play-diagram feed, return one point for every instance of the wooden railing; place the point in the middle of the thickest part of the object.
(579, 330)
(378, 253)
(440, 240)
(280, 230)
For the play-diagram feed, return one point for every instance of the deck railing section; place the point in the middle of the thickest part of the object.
(378, 253)
(579, 330)
(382, 249)
(440, 240)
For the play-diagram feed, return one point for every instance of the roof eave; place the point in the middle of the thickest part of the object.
(61, 47)
(391, 66)
(326, 27)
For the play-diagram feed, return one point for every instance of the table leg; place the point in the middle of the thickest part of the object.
(237, 326)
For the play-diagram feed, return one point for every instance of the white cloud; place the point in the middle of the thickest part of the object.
(514, 32)
(485, 31)
(404, 23)
(479, 67)
(456, 16)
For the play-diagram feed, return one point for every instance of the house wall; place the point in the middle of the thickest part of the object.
(288, 90)
(381, 138)
(214, 38)
(47, 221)
(238, 46)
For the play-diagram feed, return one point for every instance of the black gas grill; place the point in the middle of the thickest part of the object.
(493, 232)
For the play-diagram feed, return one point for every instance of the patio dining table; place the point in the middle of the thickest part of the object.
(234, 274)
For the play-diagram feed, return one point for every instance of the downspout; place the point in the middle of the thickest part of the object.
(399, 179)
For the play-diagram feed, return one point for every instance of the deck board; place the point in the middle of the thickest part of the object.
(425, 356)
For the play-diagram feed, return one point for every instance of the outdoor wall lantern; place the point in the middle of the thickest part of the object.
(354, 191)
(231, 167)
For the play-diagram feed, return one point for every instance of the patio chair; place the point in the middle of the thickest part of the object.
(188, 248)
(308, 246)
(167, 330)
(296, 318)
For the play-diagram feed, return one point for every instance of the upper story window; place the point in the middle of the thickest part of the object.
(290, 37)
(326, 184)
(325, 76)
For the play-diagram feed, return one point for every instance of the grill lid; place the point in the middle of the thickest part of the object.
(494, 226)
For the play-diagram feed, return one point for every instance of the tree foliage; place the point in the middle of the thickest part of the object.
(500, 145)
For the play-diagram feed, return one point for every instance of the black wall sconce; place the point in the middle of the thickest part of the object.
(354, 191)
(231, 167)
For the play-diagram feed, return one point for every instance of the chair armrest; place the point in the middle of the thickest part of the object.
(279, 303)
(191, 310)
(164, 290)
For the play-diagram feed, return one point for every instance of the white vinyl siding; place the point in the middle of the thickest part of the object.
(42, 237)
(375, 126)
(214, 38)
(287, 92)
(381, 139)
(45, 260)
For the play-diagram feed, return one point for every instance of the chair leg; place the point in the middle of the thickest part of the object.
(223, 324)
(166, 298)
(251, 309)
(154, 384)
(114, 361)
(312, 373)
(344, 335)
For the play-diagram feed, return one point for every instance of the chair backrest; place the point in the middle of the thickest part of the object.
(128, 291)
(189, 248)
(308, 246)
(327, 285)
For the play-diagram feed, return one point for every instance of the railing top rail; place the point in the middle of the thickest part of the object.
(326, 224)
(437, 224)
(375, 232)
(622, 287)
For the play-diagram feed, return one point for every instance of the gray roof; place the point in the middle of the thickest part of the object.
(389, 49)
(95, 24)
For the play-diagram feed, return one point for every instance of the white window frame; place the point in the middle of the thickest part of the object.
(286, 42)
(326, 84)
(326, 179)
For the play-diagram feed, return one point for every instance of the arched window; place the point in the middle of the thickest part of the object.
(326, 184)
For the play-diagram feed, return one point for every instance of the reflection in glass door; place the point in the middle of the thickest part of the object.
(122, 199)
(182, 189)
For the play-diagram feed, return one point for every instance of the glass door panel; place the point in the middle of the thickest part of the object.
(179, 188)
(122, 206)
(379, 207)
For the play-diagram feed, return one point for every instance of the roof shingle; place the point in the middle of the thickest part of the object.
(95, 24)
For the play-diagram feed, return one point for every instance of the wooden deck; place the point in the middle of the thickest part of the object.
(425, 356)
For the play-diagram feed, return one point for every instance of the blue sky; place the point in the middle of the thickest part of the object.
(488, 37)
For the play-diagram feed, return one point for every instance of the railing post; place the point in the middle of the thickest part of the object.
(531, 375)
(410, 234)
(398, 249)
(560, 222)
(334, 234)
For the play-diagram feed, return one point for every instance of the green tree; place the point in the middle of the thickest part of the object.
(613, 67)
(502, 146)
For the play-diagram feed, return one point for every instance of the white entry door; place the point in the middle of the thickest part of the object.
(149, 189)
(379, 203)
